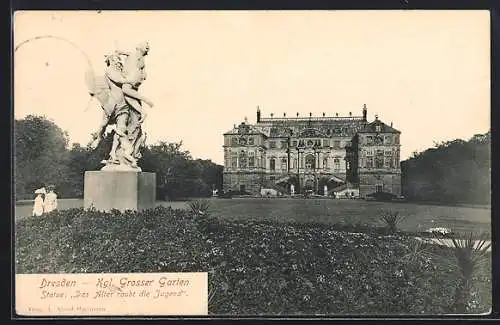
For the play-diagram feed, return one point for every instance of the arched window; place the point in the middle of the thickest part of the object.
(310, 162)
(325, 163)
(272, 164)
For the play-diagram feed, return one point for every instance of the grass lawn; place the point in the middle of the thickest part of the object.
(255, 267)
(322, 211)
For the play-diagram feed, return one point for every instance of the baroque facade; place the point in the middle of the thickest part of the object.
(312, 153)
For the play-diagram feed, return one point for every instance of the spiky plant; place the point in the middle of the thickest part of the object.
(469, 256)
(200, 207)
(391, 221)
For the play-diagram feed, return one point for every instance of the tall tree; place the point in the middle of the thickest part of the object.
(40, 154)
(455, 171)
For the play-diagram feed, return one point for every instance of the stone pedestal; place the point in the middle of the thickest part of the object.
(121, 190)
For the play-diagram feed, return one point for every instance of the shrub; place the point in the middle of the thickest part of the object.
(391, 221)
(200, 207)
(468, 257)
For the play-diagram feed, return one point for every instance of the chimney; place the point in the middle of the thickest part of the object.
(391, 124)
(297, 114)
(284, 114)
(365, 111)
(350, 113)
(258, 114)
(310, 114)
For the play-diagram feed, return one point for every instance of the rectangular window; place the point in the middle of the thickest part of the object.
(379, 159)
(272, 144)
(326, 143)
(251, 161)
(294, 143)
(361, 162)
(369, 140)
(234, 141)
(387, 162)
(369, 152)
(388, 153)
(369, 162)
(336, 164)
(388, 139)
(284, 144)
(396, 139)
(336, 144)
(250, 141)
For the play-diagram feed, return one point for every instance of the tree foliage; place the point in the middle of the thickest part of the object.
(455, 171)
(42, 157)
(40, 154)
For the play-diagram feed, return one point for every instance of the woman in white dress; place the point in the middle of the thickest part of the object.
(38, 206)
(50, 203)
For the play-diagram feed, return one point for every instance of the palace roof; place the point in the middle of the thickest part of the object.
(372, 127)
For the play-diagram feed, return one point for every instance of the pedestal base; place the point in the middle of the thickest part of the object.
(121, 190)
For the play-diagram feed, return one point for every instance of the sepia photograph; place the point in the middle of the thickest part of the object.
(252, 163)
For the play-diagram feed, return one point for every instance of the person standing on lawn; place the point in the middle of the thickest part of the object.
(38, 206)
(50, 203)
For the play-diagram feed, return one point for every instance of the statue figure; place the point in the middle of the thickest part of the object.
(122, 106)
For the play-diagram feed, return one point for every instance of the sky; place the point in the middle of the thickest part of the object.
(427, 72)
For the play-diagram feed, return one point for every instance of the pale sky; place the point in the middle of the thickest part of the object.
(428, 72)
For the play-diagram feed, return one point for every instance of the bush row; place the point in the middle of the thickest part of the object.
(254, 267)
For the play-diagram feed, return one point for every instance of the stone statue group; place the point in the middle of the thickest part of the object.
(118, 93)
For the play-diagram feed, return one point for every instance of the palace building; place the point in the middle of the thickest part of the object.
(312, 154)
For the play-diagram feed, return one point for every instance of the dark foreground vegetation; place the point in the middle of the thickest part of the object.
(264, 268)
